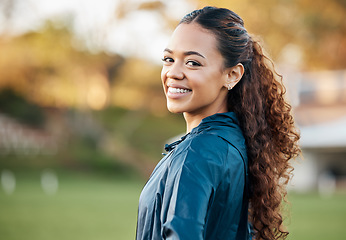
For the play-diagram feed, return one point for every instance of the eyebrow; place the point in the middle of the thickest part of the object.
(188, 53)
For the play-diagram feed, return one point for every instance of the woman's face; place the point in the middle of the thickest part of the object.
(193, 74)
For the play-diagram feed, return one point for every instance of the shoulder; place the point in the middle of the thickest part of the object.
(208, 143)
(201, 158)
(201, 152)
(204, 145)
(206, 157)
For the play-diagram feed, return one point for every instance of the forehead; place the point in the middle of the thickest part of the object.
(193, 37)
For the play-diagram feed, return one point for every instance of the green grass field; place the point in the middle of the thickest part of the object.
(316, 217)
(98, 207)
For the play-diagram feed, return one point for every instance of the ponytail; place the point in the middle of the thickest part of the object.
(271, 138)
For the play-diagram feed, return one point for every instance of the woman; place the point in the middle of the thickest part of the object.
(230, 170)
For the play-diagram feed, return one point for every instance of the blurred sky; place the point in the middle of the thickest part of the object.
(138, 33)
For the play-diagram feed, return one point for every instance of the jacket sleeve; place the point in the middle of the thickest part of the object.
(195, 173)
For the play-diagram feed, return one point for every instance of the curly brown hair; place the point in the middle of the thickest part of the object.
(264, 115)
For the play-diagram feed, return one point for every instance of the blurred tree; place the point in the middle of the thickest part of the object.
(138, 86)
(163, 8)
(48, 68)
(19, 108)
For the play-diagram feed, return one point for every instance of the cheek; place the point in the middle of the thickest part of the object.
(203, 81)
(209, 86)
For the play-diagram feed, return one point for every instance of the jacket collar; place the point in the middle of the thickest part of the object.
(219, 119)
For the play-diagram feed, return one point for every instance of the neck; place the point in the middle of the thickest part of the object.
(192, 121)
(194, 118)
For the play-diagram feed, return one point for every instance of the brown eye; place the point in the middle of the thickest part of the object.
(193, 63)
(167, 60)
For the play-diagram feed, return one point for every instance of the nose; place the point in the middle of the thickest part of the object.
(175, 71)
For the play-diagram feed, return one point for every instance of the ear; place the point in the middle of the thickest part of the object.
(234, 74)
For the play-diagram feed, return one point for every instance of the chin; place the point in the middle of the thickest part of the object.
(173, 109)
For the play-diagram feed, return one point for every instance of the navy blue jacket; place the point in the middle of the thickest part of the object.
(199, 189)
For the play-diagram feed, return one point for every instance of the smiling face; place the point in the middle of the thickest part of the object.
(193, 74)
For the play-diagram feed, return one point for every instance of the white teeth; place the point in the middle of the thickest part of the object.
(177, 90)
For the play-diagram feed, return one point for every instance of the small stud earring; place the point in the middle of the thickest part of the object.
(229, 87)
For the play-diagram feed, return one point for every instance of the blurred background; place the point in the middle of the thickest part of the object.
(83, 118)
